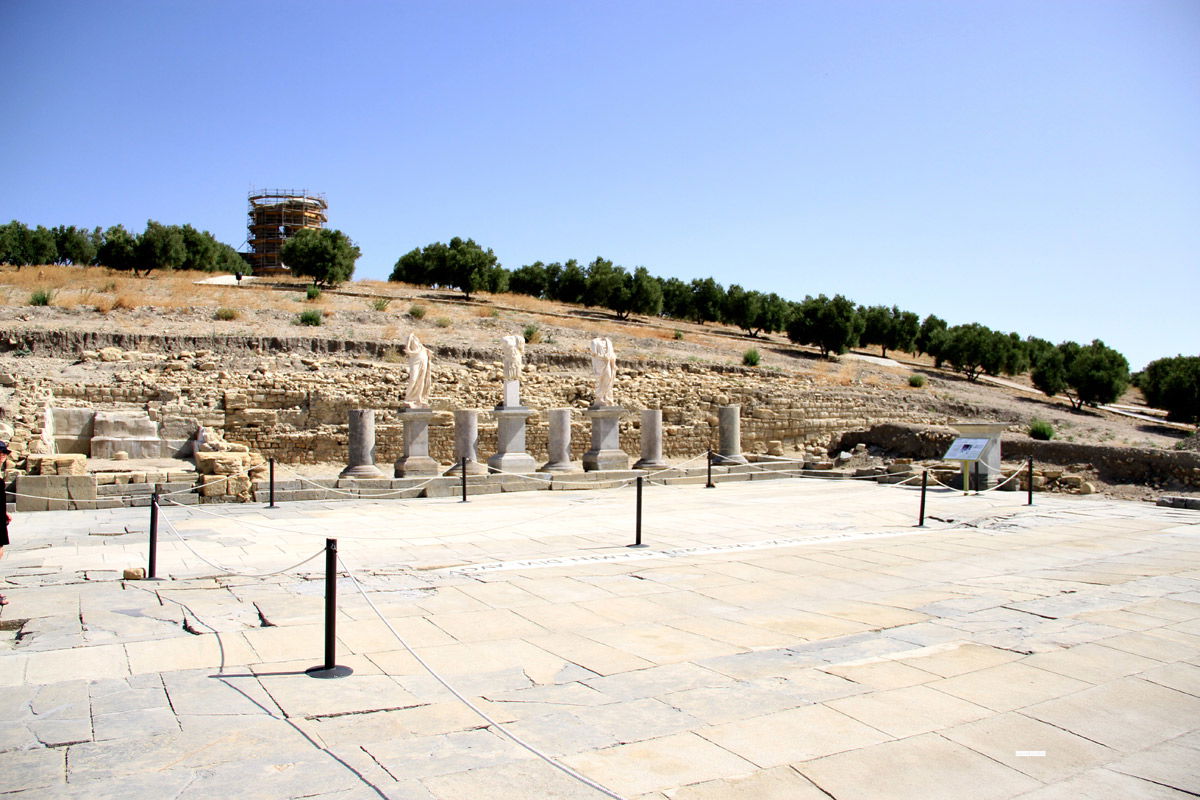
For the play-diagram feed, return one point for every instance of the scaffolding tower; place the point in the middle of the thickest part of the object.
(276, 216)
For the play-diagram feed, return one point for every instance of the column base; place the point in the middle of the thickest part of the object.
(417, 467)
(512, 462)
(473, 468)
(361, 471)
(650, 463)
(595, 460)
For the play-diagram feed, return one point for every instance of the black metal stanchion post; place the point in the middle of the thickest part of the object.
(330, 669)
(637, 537)
(924, 484)
(3, 507)
(709, 484)
(462, 465)
(152, 561)
(271, 490)
(1029, 477)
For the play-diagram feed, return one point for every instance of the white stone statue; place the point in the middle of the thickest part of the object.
(420, 378)
(604, 367)
(513, 354)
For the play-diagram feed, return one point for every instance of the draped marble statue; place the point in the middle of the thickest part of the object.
(513, 355)
(604, 367)
(420, 379)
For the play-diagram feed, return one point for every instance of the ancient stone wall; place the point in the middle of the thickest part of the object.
(294, 405)
(1113, 464)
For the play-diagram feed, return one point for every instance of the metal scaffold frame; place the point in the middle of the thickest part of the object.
(276, 215)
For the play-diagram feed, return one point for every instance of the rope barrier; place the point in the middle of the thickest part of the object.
(353, 495)
(228, 570)
(499, 728)
(110, 498)
(1004, 482)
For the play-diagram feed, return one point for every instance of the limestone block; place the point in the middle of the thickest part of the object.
(81, 487)
(219, 463)
(109, 354)
(515, 483)
(31, 493)
(124, 425)
(72, 429)
(211, 485)
(238, 485)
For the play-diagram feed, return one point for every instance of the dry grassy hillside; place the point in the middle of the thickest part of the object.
(175, 303)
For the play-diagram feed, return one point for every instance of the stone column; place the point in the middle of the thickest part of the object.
(652, 457)
(361, 462)
(729, 450)
(606, 452)
(510, 442)
(466, 442)
(415, 462)
(560, 442)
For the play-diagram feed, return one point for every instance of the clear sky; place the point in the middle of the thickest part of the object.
(1033, 165)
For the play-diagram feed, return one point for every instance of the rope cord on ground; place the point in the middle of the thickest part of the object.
(228, 570)
(482, 714)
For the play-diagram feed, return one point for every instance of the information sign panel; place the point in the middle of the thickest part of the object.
(966, 449)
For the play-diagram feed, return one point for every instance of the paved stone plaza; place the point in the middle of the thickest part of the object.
(777, 640)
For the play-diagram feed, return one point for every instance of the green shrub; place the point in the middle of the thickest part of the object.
(532, 334)
(916, 381)
(416, 311)
(1040, 429)
(310, 317)
(442, 322)
(312, 293)
(226, 314)
(41, 297)
(381, 303)
(678, 334)
(750, 358)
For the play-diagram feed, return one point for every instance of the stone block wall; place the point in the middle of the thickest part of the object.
(1113, 464)
(302, 417)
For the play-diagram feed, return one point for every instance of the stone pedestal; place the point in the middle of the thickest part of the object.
(560, 442)
(512, 395)
(510, 442)
(132, 432)
(729, 450)
(989, 460)
(652, 457)
(361, 460)
(415, 462)
(606, 452)
(466, 442)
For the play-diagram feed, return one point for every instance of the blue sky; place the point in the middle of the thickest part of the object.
(1034, 166)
